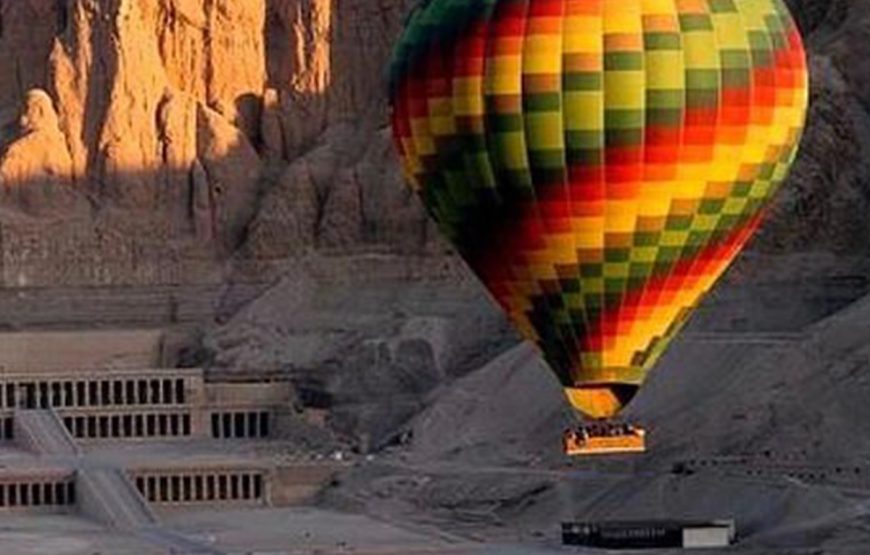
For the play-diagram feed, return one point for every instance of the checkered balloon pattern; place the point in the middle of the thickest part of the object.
(598, 163)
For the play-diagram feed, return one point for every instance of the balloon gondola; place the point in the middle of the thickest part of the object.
(599, 164)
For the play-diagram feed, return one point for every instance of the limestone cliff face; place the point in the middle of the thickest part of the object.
(182, 124)
(179, 133)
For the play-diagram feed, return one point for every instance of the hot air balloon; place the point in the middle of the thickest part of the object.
(598, 163)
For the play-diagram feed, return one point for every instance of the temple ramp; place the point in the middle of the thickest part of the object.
(106, 495)
(42, 432)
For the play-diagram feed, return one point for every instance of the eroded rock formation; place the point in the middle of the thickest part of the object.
(36, 169)
(190, 120)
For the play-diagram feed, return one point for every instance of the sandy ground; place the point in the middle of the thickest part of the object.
(302, 531)
(66, 535)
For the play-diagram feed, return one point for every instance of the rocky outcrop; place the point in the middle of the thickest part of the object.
(215, 52)
(232, 172)
(36, 169)
(342, 193)
(142, 98)
(372, 348)
(299, 36)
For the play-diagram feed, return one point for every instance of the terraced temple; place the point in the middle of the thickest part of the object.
(92, 426)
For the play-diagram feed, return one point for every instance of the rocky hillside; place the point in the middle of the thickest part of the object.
(826, 202)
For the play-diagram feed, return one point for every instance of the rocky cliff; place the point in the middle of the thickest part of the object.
(147, 139)
(824, 206)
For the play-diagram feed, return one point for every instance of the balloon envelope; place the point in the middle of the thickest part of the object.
(598, 163)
